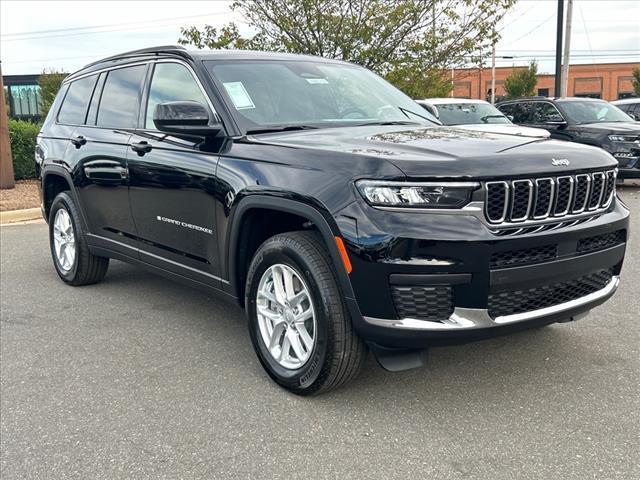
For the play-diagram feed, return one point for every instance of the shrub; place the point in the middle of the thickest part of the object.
(23, 145)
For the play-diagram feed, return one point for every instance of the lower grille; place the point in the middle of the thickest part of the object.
(600, 242)
(523, 256)
(518, 301)
(425, 303)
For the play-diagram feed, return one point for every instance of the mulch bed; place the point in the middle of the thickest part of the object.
(24, 195)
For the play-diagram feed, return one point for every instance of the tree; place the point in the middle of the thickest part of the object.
(522, 82)
(413, 43)
(49, 82)
(636, 81)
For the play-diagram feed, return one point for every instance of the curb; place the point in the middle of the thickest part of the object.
(14, 216)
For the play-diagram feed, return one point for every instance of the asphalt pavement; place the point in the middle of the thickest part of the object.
(139, 377)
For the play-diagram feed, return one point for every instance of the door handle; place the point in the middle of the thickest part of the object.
(141, 147)
(78, 141)
(105, 170)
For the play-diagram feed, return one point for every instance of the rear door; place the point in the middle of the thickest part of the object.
(172, 182)
(100, 147)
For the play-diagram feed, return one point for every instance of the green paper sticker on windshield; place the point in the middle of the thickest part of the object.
(239, 95)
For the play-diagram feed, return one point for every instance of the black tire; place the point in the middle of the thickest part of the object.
(339, 353)
(87, 268)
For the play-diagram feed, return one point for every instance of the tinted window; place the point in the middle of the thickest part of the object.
(543, 112)
(93, 107)
(593, 112)
(519, 111)
(171, 83)
(119, 102)
(469, 114)
(74, 106)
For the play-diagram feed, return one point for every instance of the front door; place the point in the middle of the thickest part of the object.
(172, 184)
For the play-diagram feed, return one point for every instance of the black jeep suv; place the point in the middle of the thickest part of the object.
(327, 203)
(583, 120)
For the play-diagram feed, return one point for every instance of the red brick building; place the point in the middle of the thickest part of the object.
(609, 81)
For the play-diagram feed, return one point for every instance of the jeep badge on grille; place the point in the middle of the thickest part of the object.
(557, 162)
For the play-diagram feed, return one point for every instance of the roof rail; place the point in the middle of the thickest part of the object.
(160, 50)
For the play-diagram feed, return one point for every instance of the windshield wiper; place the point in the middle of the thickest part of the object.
(281, 128)
(387, 122)
(486, 117)
(405, 111)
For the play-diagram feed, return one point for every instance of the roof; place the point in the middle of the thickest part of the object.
(626, 101)
(447, 101)
(180, 51)
(554, 99)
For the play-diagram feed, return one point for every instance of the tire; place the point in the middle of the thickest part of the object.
(337, 353)
(76, 266)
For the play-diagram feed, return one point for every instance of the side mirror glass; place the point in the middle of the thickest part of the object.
(188, 118)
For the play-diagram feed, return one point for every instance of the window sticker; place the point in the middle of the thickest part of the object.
(317, 80)
(239, 95)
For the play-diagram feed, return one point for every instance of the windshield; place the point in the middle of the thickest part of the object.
(593, 112)
(273, 95)
(470, 113)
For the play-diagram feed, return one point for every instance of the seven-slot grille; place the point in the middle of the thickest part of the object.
(536, 199)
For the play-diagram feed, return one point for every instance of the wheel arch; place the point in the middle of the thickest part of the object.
(327, 229)
(55, 180)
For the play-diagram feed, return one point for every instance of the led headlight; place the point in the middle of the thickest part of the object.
(621, 138)
(421, 195)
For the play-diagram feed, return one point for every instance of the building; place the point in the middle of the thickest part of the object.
(22, 95)
(609, 81)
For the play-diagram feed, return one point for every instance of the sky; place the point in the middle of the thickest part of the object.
(35, 35)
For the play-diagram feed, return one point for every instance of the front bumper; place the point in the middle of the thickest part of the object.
(456, 256)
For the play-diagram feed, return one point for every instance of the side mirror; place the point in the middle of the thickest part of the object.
(187, 118)
(555, 121)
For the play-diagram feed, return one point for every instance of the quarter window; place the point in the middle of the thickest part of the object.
(171, 82)
(75, 104)
(120, 97)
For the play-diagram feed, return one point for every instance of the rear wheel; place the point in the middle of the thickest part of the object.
(299, 325)
(73, 261)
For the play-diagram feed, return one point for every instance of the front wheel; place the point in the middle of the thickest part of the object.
(299, 325)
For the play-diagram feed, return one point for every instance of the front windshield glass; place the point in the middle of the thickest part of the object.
(271, 95)
(593, 112)
(470, 113)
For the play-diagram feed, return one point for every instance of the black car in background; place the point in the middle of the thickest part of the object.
(583, 120)
(630, 106)
(328, 204)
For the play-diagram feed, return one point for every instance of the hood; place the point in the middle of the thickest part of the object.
(448, 151)
(507, 129)
(613, 127)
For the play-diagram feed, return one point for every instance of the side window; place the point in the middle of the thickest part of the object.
(507, 109)
(95, 101)
(521, 112)
(120, 97)
(543, 112)
(171, 82)
(74, 106)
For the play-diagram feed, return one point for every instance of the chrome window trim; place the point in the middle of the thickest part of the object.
(514, 184)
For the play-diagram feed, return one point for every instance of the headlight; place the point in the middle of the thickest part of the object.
(425, 195)
(621, 138)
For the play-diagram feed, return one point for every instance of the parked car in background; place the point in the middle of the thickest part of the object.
(477, 115)
(630, 106)
(583, 120)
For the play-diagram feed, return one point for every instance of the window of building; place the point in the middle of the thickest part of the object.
(74, 106)
(24, 100)
(171, 82)
(543, 92)
(121, 97)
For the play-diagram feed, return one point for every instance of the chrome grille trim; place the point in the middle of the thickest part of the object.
(575, 208)
(588, 193)
(514, 198)
(552, 184)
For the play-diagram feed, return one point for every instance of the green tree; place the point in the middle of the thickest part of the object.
(522, 82)
(49, 82)
(413, 43)
(636, 81)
